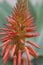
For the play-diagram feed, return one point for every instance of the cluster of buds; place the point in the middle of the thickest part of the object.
(19, 27)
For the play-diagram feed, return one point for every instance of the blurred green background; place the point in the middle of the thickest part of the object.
(36, 10)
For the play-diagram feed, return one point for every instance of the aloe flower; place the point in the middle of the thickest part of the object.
(19, 27)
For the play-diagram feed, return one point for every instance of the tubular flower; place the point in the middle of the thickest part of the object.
(19, 27)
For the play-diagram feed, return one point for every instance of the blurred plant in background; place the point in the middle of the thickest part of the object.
(36, 11)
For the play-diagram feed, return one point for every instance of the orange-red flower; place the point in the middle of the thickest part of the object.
(19, 27)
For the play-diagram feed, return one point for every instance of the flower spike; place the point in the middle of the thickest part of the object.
(28, 55)
(32, 43)
(19, 27)
(23, 61)
(19, 57)
(13, 50)
(15, 60)
(6, 56)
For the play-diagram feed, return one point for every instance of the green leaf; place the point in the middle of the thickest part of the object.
(38, 61)
(1, 60)
(10, 62)
(38, 19)
(5, 11)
